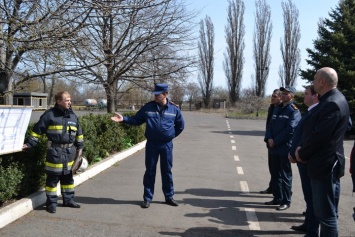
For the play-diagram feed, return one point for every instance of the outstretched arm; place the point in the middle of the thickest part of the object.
(118, 118)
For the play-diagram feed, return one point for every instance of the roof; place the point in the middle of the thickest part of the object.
(28, 94)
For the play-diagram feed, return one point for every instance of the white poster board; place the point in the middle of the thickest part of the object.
(13, 126)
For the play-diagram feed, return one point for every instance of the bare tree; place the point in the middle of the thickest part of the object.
(261, 43)
(291, 54)
(220, 92)
(35, 27)
(206, 59)
(135, 41)
(192, 92)
(233, 58)
(177, 91)
(250, 102)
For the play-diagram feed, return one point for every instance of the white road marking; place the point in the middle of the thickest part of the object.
(252, 219)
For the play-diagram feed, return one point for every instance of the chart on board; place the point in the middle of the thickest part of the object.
(13, 126)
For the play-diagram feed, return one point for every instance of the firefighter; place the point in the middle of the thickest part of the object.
(65, 142)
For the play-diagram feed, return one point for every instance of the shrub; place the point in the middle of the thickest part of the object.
(10, 179)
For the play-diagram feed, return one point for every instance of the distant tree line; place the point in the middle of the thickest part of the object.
(118, 50)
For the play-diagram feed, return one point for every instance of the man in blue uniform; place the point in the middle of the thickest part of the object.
(164, 122)
(278, 136)
(275, 101)
(65, 138)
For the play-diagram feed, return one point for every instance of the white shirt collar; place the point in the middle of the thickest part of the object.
(312, 106)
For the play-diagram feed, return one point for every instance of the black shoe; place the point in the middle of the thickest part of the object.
(71, 204)
(266, 191)
(145, 204)
(171, 202)
(272, 202)
(51, 208)
(301, 228)
(283, 207)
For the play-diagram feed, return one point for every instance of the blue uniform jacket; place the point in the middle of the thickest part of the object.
(162, 124)
(281, 127)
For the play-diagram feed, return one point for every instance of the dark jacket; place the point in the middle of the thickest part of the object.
(61, 127)
(324, 133)
(162, 123)
(281, 127)
(298, 136)
(269, 113)
(268, 118)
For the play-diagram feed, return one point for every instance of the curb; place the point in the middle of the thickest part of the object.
(25, 205)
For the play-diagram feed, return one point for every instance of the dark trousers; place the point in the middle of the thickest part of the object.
(269, 162)
(66, 185)
(152, 153)
(310, 221)
(281, 178)
(325, 201)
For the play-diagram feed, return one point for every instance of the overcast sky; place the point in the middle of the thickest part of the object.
(310, 11)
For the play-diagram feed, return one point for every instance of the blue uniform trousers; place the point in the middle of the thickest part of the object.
(281, 178)
(152, 153)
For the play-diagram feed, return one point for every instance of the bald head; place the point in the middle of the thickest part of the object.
(325, 80)
(330, 76)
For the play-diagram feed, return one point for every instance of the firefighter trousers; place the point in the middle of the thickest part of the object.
(66, 186)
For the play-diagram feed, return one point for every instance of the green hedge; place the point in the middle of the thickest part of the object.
(22, 173)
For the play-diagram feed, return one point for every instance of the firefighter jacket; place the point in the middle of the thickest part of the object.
(162, 123)
(64, 134)
(281, 127)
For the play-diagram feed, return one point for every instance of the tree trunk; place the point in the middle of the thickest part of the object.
(111, 98)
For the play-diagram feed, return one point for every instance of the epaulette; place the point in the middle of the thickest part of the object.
(173, 103)
(294, 106)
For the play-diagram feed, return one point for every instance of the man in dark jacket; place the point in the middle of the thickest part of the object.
(164, 122)
(65, 136)
(311, 224)
(275, 101)
(323, 149)
(278, 135)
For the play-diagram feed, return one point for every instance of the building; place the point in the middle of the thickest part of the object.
(36, 100)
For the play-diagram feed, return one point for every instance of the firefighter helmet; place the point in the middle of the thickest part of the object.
(83, 165)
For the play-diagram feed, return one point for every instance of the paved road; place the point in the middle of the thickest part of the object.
(220, 165)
